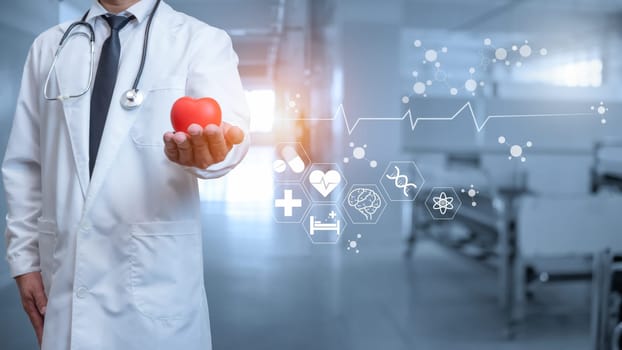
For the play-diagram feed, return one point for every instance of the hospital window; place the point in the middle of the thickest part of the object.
(579, 73)
(262, 107)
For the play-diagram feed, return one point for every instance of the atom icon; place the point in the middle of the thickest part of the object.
(443, 203)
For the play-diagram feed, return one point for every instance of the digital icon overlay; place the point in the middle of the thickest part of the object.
(516, 151)
(324, 224)
(290, 162)
(324, 182)
(353, 244)
(364, 204)
(402, 181)
(290, 203)
(472, 193)
(443, 203)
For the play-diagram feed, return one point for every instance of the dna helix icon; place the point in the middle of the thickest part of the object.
(401, 181)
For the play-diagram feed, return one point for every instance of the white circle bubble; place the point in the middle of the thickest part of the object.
(472, 70)
(603, 121)
(405, 99)
(358, 153)
(601, 110)
(470, 85)
(428, 82)
(501, 140)
(519, 64)
(417, 43)
(501, 54)
(353, 244)
(415, 73)
(453, 91)
(292, 104)
(373, 164)
(523, 159)
(487, 42)
(544, 52)
(529, 144)
(514, 47)
(444, 50)
(419, 88)
(431, 55)
(351, 144)
(346, 160)
(525, 51)
(471, 193)
(437, 64)
(516, 151)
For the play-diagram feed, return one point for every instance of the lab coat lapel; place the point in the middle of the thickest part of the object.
(76, 110)
(120, 121)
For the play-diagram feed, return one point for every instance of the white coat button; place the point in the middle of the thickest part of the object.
(82, 292)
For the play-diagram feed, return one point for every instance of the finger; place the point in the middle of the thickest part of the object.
(216, 143)
(234, 134)
(36, 319)
(41, 300)
(200, 149)
(184, 147)
(170, 147)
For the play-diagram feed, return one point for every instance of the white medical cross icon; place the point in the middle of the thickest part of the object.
(288, 203)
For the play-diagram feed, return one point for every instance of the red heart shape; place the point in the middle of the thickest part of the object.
(202, 111)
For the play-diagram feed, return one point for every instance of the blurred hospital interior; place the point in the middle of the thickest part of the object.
(424, 174)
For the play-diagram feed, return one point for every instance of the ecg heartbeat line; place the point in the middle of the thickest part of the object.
(324, 183)
(415, 120)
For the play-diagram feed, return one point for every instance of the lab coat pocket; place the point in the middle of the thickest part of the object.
(166, 268)
(47, 246)
(154, 115)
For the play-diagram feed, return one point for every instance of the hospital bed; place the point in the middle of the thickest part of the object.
(606, 323)
(607, 167)
(522, 235)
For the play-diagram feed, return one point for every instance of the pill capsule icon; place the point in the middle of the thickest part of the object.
(291, 157)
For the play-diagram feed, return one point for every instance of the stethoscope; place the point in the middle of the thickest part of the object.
(132, 98)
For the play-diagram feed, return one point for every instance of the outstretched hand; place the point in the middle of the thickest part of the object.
(200, 147)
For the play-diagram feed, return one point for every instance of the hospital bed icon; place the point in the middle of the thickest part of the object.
(318, 225)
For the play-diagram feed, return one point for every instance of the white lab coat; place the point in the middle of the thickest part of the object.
(121, 254)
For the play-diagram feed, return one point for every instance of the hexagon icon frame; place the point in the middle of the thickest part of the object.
(293, 177)
(306, 200)
(456, 198)
(314, 193)
(307, 222)
(388, 171)
(347, 207)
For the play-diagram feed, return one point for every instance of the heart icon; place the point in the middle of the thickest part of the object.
(323, 182)
(187, 111)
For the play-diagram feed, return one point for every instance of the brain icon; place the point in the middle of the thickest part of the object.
(365, 200)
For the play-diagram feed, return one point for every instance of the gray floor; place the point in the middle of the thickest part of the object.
(270, 288)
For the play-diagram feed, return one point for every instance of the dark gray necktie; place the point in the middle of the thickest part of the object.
(103, 87)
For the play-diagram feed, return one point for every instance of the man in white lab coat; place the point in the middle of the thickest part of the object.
(110, 257)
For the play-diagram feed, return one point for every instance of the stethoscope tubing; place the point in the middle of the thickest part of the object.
(91, 37)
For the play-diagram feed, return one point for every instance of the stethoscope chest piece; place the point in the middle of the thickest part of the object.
(132, 99)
